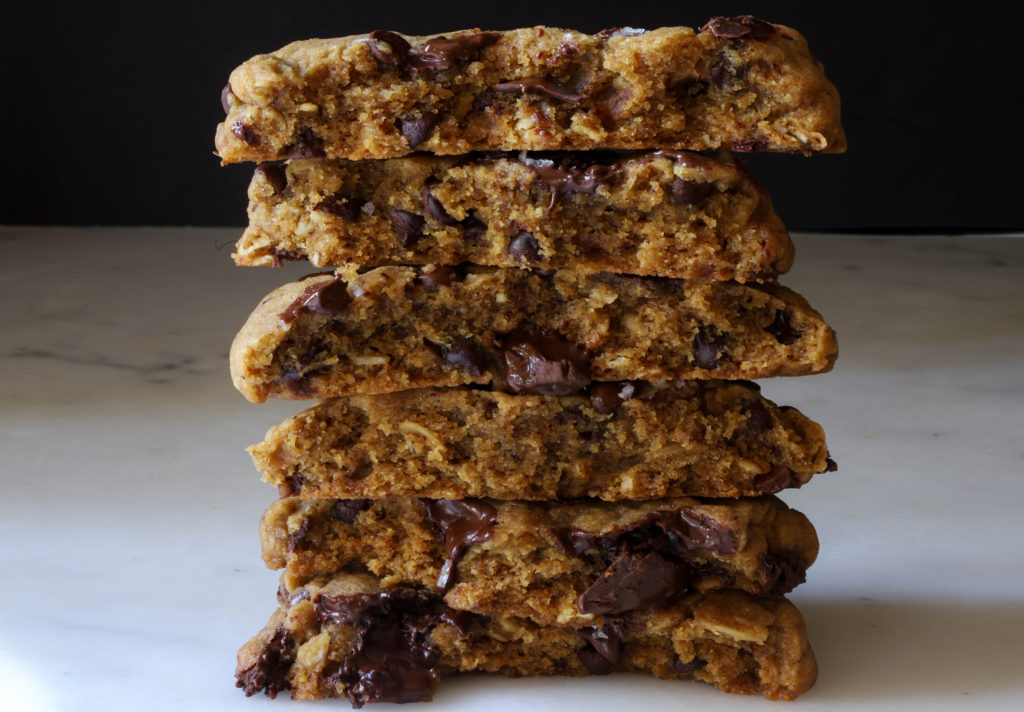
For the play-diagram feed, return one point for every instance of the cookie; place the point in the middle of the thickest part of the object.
(738, 84)
(667, 213)
(621, 441)
(579, 563)
(348, 636)
(395, 328)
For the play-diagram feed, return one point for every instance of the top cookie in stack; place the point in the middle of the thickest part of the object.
(740, 84)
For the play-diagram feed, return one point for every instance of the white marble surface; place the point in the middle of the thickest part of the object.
(128, 534)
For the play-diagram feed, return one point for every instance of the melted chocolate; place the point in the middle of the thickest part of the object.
(392, 658)
(601, 650)
(608, 396)
(440, 276)
(539, 85)
(463, 522)
(438, 53)
(635, 582)
(270, 671)
(543, 362)
(740, 27)
(571, 174)
(782, 329)
(327, 298)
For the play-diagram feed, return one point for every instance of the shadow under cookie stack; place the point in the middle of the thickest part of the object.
(536, 446)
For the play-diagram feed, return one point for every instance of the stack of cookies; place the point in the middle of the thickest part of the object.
(536, 446)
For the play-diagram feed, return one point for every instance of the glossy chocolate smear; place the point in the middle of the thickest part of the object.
(327, 298)
(635, 581)
(693, 531)
(392, 659)
(571, 174)
(270, 671)
(440, 276)
(782, 572)
(539, 85)
(740, 27)
(463, 522)
(438, 53)
(543, 362)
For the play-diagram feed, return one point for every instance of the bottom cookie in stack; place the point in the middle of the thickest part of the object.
(676, 588)
(350, 636)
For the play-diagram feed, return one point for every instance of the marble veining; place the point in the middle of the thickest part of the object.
(128, 535)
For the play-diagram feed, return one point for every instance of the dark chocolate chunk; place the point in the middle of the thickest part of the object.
(758, 417)
(607, 397)
(691, 192)
(346, 510)
(433, 206)
(245, 132)
(305, 145)
(634, 582)
(778, 478)
(539, 85)
(270, 671)
(408, 226)
(468, 355)
(345, 205)
(282, 256)
(225, 98)
(573, 174)
(438, 53)
(392, 658)
(740, 27)
(830, 465)
(543, 362)
(327, 298)
(524, 248)
(782, 571)
(697, 531)
(782, 329)
(297, 539)
(292, 485)
(708, 347)
(440, 276)
(473, 228)
(417, 129)
(275, 175)
(573, 542)
(602, 648)
(463, 522)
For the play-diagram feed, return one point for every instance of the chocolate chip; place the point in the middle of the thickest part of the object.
(634, 582)
(440, 276)
(778, 478)
(279, 256)
(782, 572)
(270, 671)
(438, 53)
(408, 226)
(297, 539)
(693, 531)
(688, 87)
(740, 27)
(539, 85)
(327, 298)
(830, 465)
(345, 205)
(690, 192)
(572, 174)
(346, 510)
(602, 648)
(246, 133)
(433, 206)
(292, 485)
(225, 98)
(690, 666)
(275, 175)
(782, 329)
(473, 228)
(306, 145)
(608, 396)
(543, 362)
(468, 355)
(758, 417)
(463, 522)
(708, 347)
(417, 129)
(524, 248)
(398, 50)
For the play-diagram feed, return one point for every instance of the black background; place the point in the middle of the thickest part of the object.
(109, 109)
